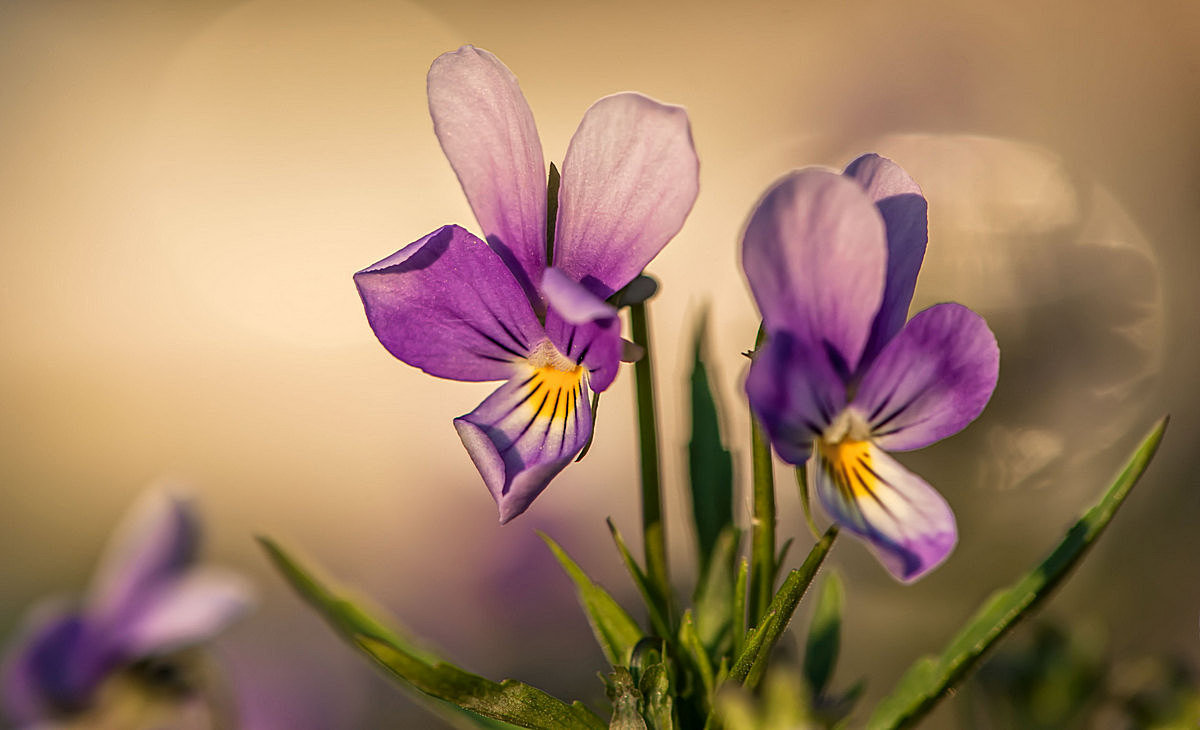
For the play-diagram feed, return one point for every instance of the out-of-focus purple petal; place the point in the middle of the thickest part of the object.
(158, 539)
(525, 432)
(908, 525)
(629, 179)
(931, 380)
(55, 665)
(795, 393)
(906, 217)
(188, 611)
(448, 305)
(487, 132)
(814, 252)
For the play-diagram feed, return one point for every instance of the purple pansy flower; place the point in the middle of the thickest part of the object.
(832, 261)
(147, 599)
(463, 309)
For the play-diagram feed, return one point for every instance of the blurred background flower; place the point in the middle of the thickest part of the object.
(188, 188)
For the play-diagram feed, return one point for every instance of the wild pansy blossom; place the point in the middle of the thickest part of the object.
(459, 308)
(146, 600)
(832, 261)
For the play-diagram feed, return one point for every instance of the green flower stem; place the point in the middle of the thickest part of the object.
(762, 539)
(653, 529)
(752, 662)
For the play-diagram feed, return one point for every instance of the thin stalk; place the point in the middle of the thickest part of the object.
(762, 537)
(653, 528)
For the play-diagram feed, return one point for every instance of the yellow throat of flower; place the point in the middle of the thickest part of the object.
(554, 382)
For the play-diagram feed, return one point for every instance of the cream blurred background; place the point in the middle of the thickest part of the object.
(188, 187)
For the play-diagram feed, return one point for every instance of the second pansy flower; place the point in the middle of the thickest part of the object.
(832, 261)
(528, 305)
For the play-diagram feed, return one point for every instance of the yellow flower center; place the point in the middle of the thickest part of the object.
(554, 384)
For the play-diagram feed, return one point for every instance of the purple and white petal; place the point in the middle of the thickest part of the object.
(795, 394)
(447, 304)
(188, 611)
(908, 525)
(487, 131)
(629, 179)
(931, 380)
(525, 432)
(906, 218)
(815, 252)
(156, 541)
(583, 327)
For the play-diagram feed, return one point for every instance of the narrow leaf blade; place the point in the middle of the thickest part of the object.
(752, 661)
(931, 678)
(710, 465)
(615, 630)
(824, 635)
(486, 703)
(653, 602)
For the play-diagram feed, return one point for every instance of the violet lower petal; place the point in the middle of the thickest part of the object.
(190, 610)
(906, 218)
(525, 432)
(447, 304)
(795, 394)
(908, 525)
(931, 380)
(629, 179)
(55, 666)
(156, 541)
(487, 131)
(815, 252)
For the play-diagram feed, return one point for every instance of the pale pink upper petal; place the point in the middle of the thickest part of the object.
(815, 252)
(487, 131)
(157, 540)
(629, 179)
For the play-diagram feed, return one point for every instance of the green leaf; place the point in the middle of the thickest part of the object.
(694, 650)
(739, 607)
(713, 602)
(824, 635)
(653, 602)
(710, 465)
(486, 703)
(752, 661)
(614, 628)
(931, 678)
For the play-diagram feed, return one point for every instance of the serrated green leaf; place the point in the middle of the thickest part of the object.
(652, 601)
(752, 662)
(824, 635)
(486, 703)
(710, 465)
(614, 628)
(713, 601)
(931, 678)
